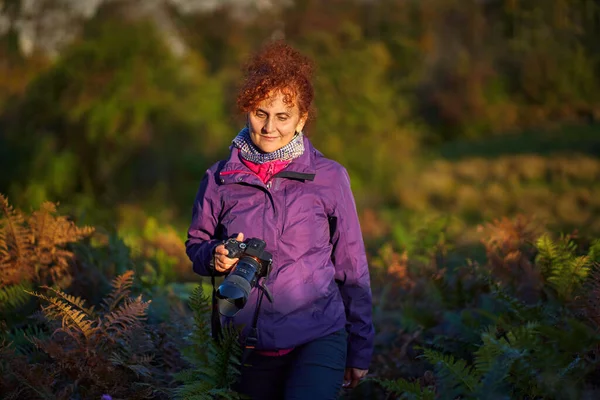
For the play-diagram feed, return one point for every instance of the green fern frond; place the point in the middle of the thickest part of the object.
(76, 301)
(594, 251)
(71, 318)
(567, 277)
(121, 285)
(193, 388)
(493, 384)
(524, 337)
(14, 296)
(22, 338)
(228, 357)
(493, 361)
(406, 389)
(551, 253)
(200, 337)
(186, 376)
(487, 353)
(216, 364)
(454, 373)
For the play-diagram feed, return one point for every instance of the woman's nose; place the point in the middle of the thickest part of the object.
(268, 126)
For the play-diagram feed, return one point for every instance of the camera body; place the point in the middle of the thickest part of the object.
(253, 248)
(254, 263)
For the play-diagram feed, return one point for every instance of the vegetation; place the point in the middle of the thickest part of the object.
(469, 129)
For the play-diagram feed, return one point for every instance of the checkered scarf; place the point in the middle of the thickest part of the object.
(250, 152)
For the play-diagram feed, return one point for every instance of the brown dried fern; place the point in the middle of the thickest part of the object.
(121, 290)
(129, 313)
(112, 353)
(509, 249)
(74, 321)
(35, 249)
(51, 234)
(76, 301)
(16, 247)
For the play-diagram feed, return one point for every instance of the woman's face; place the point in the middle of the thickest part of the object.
(273, 123)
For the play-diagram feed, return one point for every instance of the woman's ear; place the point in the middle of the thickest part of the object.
(301, 123)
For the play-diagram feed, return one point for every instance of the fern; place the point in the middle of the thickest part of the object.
(228, 360)
(16, 246)
(121, 289)
(407, 390)
(594, 251)
(454, 374)
(200, 337)
(113, 351)
(493, 361)
(129, 313)
(75, 301)
(563, 269)
(13, 296)
(35, 250)
(71, 318)
(215, 365)
(21, 338)
(138, 365)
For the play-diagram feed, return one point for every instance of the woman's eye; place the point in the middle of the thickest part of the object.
(282, 118)
(260, 115)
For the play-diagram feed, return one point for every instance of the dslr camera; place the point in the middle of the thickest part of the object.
(255, 262)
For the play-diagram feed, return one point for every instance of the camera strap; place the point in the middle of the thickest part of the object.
(215, 319)
(252, 337)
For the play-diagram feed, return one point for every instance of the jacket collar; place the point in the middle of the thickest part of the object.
(301, 168)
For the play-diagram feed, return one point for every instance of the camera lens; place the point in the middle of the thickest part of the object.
(233, 293)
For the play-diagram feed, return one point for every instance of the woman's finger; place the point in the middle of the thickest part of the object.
(224, 263)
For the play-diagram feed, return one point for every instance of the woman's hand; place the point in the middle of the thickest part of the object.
(353, 376)
(222, 262)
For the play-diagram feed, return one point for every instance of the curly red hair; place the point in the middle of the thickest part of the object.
(277, 67)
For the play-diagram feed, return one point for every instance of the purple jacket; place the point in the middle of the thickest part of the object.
(307, 216)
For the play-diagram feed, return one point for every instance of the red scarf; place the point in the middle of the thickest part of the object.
(266, 170)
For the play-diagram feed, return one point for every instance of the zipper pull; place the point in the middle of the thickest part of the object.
(269, 185)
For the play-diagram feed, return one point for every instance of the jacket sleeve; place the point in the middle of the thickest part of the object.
(350, 260)
(201, 238)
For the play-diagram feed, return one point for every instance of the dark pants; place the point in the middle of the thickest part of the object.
(313, 371)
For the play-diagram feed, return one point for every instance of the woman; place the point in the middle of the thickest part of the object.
(275, 186)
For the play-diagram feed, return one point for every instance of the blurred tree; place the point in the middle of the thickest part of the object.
(358, 119)
(117, 118)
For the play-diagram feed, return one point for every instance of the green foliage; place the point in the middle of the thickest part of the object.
(118, 119)
(356, 105)
(107, 110)
(564, 270)
(13, 296)
(497, 343)
(407, 390)
(215, 365)
(456, 376)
